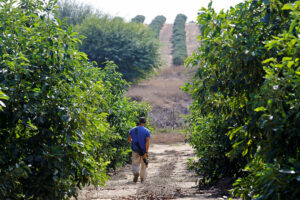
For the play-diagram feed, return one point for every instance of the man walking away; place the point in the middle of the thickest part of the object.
(139, 138)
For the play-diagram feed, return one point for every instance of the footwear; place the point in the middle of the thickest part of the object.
(142, 180)
(135, 178)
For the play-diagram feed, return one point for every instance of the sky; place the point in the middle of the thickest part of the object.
(151, 8)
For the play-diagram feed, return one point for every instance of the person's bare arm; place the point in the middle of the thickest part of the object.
(147, 146)
(129, 138)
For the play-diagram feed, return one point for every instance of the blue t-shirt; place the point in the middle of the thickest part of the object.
(140, 137)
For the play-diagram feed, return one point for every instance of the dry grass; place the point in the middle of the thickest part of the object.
(167, 138)
(165, 96)
(163, 92)
(173, 71)
(158, 92)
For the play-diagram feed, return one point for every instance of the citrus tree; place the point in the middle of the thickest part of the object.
(179, 40)
(74, 12)
(157, 23)
(131, 46)
(62, 118)
(246, 97)
(44, 153)
(139, 19)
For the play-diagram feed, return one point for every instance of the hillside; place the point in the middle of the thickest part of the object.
(163, 91)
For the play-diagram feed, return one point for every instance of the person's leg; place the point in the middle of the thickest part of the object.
(135, 158)
(143, 171)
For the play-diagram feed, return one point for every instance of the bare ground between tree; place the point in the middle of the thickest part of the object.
(168, 178)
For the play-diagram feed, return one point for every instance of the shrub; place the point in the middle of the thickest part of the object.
(74, 12)
(157, 23)
(139, 19)
(131, 46)
(208, 138)
(63, 118)
(275, 169)
(179, 40)
(249, 80)
(44, 153)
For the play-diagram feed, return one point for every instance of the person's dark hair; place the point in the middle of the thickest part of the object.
(142, 120)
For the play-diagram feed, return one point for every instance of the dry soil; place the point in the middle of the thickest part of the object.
(163, 92)
(168, 178)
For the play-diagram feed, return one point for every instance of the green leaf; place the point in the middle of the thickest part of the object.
(210, 4)
(234, 131)
(269, 60)
(3, 96)
(36, 90)
(259, 109)
(245, 152)
(287, 7)
(286, 59)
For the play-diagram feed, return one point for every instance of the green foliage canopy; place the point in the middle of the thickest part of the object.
(157, 23)
(131, 46)
(43, 148)
(139, 19)
(64, 120)
(179, 40)
(74, 12)
(246, 91)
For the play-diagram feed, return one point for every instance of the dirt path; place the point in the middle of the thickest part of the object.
(168, 178)
(192, 31)
(165, 37)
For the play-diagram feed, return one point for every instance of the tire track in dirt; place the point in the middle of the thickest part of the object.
(168, 177)
(166, 48)
(192, 31)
